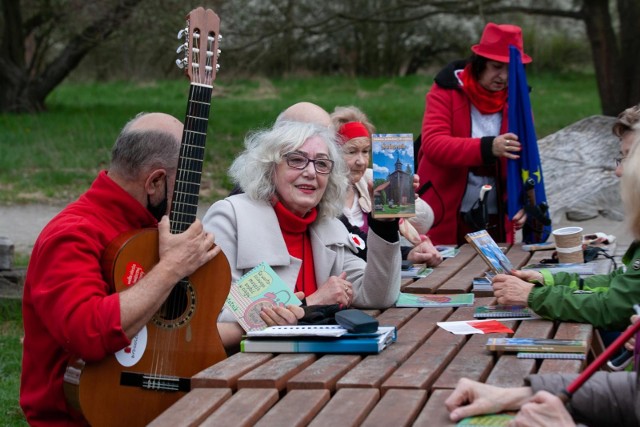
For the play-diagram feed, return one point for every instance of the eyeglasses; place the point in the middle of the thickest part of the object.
(300, 161)
(620, 160)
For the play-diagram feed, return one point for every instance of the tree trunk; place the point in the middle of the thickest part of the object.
(629, 12)
(606, 55)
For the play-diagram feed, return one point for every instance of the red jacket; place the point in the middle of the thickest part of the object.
(447, 153)
(68, 308)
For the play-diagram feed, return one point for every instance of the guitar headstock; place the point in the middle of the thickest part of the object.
(200, 47)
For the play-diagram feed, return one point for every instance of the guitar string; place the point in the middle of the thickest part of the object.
(192, 155)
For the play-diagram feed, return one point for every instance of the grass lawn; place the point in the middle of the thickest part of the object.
(55, 156)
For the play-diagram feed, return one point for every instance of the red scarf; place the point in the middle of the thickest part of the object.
(296, 236)
(486, 101)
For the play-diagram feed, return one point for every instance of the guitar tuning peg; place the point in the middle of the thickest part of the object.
(181, 63)
(218, 52)
(217, 67)
(182, 32)
(182, 47)
(219, 38)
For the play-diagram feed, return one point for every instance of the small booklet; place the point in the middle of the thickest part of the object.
(392, 159)
(448, 251)
(416, 272)
(260, 287)
(502, 311)
(434, 300)
(577, 268)
(482, 284)
(347, 343)
(490, 252)
(537, 345)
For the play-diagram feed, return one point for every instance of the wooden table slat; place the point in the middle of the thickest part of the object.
(296, 409)
(397, 408)
(192, 408)
(434, 413)
(226, 372)
(574, 331)
(324, 373)
(277, 371)
(425, 365)
(244, 408)
(348, 407)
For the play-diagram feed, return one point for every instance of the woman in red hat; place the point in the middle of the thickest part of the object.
(465, 144)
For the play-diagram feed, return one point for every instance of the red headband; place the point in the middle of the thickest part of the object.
(352, 130)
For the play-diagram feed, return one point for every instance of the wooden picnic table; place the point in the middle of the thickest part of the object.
(406, 384)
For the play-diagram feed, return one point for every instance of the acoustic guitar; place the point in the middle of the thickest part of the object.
(139, 382)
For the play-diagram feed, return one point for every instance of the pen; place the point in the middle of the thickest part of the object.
(566, 394)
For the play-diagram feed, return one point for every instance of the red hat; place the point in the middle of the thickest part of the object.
(495, 42)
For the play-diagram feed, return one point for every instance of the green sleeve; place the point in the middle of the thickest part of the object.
(607, 307)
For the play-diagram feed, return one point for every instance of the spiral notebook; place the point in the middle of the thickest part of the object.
(568, 356)
(502, 311)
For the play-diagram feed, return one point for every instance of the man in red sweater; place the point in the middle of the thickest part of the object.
(68, 307)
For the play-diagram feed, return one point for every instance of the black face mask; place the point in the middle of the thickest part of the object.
(161, 208)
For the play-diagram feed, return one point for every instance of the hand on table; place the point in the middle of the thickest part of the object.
(425, 253)
(336, 290)
(544, 409)
(474, 398)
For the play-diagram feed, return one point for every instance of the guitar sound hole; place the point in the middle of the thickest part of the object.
(178, 308)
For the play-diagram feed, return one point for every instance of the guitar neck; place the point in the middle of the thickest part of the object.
(184, 205)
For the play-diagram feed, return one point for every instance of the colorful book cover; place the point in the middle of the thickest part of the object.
(348, 343)
(500, 311)
(260, 287)
(434, 300)
(537, 345)
(490, 252)
(392, 160)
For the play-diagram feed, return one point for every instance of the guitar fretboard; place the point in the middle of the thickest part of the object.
(184, 206)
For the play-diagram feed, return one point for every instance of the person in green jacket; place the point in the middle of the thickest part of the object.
(606, 301)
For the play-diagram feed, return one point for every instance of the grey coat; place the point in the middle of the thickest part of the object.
(248, 233)
(605, 399)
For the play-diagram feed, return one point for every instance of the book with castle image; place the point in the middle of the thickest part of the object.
(392, 162)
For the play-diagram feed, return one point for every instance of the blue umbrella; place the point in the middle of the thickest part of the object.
(525, 185)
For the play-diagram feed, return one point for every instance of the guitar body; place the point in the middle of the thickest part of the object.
(182, 339)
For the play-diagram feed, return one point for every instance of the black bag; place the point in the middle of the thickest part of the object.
(320, 314)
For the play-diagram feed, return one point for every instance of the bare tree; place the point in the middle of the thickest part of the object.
(40, 50)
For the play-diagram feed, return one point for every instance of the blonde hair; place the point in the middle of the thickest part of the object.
(342, 115)
(630, 190)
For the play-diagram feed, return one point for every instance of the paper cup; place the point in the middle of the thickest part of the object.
(569, 244)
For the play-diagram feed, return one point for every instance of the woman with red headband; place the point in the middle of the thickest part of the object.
(354, 135)
(465, 144)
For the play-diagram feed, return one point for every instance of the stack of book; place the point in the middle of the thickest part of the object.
(316, 339)
(540, 348)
